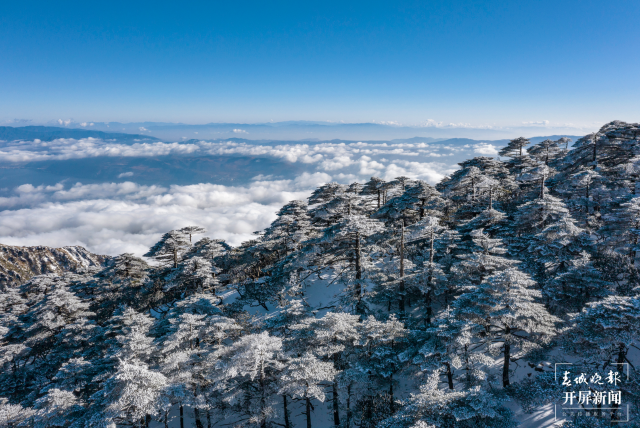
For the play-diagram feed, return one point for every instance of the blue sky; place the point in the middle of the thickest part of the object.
(478, 62)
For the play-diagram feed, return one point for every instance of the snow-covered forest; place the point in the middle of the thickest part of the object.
(379, 304)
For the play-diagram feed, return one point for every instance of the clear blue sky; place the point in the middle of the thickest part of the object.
(481, 62)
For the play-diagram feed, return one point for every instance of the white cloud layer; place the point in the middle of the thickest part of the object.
(111, 218)
(337, 155)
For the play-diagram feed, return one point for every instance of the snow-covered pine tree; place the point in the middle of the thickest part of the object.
(303, 379)
(485, 259)
(56, 325)
(545, 151)
(290, 228)
(578, 283)
(129, 396)
(247, 374)
(413, 204)
(347, 248)
(327, 203)
(171, 247)
(333, 338)
(506, 313)
(434, 407)
(381, 344)
(192, 230)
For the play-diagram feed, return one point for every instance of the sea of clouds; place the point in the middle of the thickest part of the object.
(125, 216)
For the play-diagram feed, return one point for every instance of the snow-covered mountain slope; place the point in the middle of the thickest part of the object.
(18, 264)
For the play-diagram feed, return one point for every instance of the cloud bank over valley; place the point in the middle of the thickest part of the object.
(114, 196)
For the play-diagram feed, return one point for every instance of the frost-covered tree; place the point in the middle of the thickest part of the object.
(505, 311)
(333, 338)
(247, 374)
(381, 345)
(56, 409)
(545, 151)
(291, 227)
(346, 248)
(192, 230)
(413, 204)
(171, 247)
(515, 147)
(42, 338)
(303, 379)
(577, 284)
(128, 396)
(434, 407)
(485, 259)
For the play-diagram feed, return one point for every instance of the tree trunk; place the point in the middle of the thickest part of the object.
(467, 365)
(359, 309)
(287, 424)
(181, 416)
(490, 198)
(429, 280)
(542, 187)
(507, 355)
(586, 202)
(401, 307)
(391, 393)
(147, 421)
(208, 418)
(427, 302)
(166, 419)
(378, 198)
(308, 410)
(336, 410)
(263, 400)
(349, 406)
(196, 411)
(473, 184)
(449, 375)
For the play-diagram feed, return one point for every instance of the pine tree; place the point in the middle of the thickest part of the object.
(346, 248)
(171, 247)
(413, 204)
(505, 310)
(247, 374)
(302, 379)
(332, 337)
(56, 409)
(434, 407)
(485, 259)
(545, 151)
(128, 396)
(381, 344)
(579, 284)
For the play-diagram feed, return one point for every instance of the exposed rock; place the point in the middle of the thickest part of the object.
(19, 264)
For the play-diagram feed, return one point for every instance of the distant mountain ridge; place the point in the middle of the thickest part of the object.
(49, 133)
(304, 130)
(19, 264)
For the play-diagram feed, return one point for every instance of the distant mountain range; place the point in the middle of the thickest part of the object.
(49, 133)
(292, 130)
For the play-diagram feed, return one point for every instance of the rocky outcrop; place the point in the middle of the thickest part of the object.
(19, 264)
